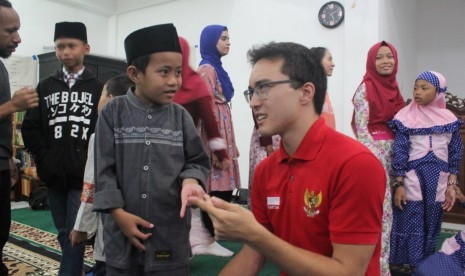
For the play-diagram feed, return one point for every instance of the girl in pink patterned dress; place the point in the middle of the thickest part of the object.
(376, 101)
(214, 44)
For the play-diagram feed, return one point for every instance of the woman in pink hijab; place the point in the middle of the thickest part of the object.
(427, 155)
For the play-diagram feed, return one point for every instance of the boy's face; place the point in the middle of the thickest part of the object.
(161, 80)
(278, 110)
(104, 98)
(70, 52)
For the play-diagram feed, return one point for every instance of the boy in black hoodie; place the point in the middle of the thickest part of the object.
(57, 134)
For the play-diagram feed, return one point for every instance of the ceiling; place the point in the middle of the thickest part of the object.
(110, 7)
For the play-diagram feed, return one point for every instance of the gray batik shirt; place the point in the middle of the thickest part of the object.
(142, 154)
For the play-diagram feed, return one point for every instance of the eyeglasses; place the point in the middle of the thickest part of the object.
(261, 89)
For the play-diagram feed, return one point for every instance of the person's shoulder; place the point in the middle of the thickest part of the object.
(178, 110)
(89, 76)
(361, 88)
(114, 103)
(206, 69)
(338, 143)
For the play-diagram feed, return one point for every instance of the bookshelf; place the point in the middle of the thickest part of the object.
(19, 152)
(27, 170)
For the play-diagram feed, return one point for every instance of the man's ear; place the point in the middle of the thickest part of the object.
(86, 49)
(133, 73)
(308, 93)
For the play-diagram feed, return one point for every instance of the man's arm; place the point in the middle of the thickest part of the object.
(347, 259)
(246, 262)
(22, 99)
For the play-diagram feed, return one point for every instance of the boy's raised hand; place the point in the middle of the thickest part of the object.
(129, 225)
(190, 188)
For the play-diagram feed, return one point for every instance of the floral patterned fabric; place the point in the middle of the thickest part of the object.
(382, 149)
(328, 113)
(258, 153)
(229, 179)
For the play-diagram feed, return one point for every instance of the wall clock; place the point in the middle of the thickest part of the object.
(331, 14)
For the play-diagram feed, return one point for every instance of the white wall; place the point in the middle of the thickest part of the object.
(251, 23)
(428, 34)
(38, 18)
(398, 25)
(441, 41)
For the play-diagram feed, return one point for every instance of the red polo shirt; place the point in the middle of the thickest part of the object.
(330, 191)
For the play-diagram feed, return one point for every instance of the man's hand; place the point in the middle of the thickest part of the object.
(129, 225)
(190, 188)
(24, 98)
(231, 221)
(77, 237)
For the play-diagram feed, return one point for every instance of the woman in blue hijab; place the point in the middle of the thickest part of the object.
(214, 44)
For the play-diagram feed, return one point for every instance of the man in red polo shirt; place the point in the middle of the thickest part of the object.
(317, 201)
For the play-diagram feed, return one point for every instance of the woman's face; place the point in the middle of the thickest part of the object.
(424, 92)
(328, 63)
(385, 61)
(223, 43)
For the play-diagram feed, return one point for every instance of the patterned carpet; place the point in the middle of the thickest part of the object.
(21, 261)
(32, 251)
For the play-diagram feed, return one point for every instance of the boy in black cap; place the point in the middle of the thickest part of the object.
(149, 160)
(57, 134)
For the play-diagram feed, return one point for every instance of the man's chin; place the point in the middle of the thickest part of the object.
(4, 54)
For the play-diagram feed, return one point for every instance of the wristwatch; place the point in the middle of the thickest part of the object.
(396, 184)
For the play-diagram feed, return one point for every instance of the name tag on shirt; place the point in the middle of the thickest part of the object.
(273, 202)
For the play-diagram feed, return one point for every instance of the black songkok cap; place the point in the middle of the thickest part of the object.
(70, 30)
(149, 40)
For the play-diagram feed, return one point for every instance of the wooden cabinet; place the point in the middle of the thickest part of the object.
(102, 67)
(19, 151)
(457, 106)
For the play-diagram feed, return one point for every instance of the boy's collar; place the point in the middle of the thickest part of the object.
(67, 73)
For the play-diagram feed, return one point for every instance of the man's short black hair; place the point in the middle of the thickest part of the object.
(6, 4)
(300, 64)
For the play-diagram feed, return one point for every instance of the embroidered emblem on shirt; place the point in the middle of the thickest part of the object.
(312, 202)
